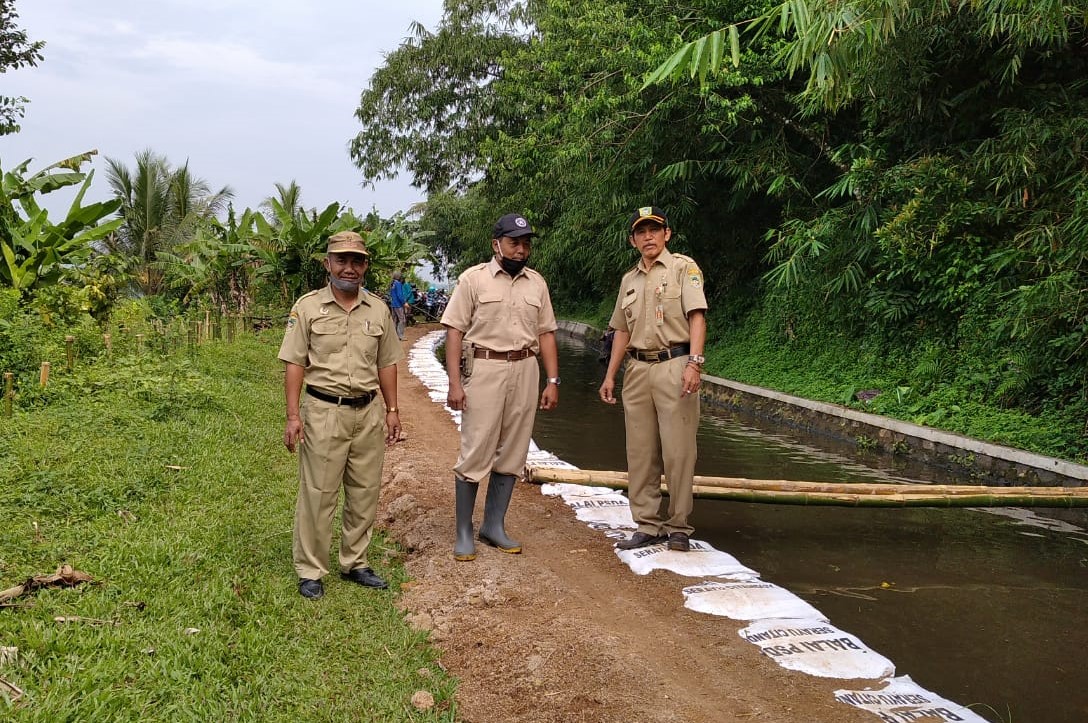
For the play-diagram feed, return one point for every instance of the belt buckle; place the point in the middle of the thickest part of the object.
(660, 356)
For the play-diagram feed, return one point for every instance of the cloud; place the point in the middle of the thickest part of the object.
(251, 93)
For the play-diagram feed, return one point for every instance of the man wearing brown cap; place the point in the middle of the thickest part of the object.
(501, 315)
(341, 341)
(660, 323)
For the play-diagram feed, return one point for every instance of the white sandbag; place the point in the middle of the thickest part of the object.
(567, 490)
(748, 600)
(702, 561)
(903, 701)
(612, 510)
(818, 648)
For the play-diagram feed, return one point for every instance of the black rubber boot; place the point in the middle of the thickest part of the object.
(465, 548)
(499, 490)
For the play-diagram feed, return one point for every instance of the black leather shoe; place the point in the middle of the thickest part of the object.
(639, 539)
(679, 541)
(311, 589)
(365, 577)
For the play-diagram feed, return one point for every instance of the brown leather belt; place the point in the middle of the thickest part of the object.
(660, 355)
(518, 355)
(360, 401)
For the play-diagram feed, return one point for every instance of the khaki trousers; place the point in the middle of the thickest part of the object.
(343, 446)
(497, 422)
(661, 424)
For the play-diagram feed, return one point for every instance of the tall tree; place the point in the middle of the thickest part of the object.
(433, 102)
(16, 51)
(161, 207)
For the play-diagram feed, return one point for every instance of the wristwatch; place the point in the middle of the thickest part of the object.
(553, 380)
(697, 359)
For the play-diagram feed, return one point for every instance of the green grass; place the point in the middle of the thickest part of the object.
(953, 392)
(86, 479)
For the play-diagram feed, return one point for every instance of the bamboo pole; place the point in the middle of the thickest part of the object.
(139, 345)
(840, 494)
(69, 344)
(9, 392)
(107, 340)
(43, 378)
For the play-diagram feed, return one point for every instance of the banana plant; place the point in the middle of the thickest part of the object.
(291, 244)
(34, 251)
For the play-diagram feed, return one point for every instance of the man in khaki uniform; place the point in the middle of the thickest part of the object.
(342, 342)
(501, 315)
(660, 323)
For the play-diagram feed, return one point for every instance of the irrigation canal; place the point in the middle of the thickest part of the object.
(985, 608)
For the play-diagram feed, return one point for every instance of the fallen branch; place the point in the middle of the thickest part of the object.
(16, 691)
(65, 576)
(77, 619)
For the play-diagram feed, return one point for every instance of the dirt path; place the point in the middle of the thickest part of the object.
(565, 631)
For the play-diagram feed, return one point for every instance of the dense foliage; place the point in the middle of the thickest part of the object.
(16, 51)
(902, 177)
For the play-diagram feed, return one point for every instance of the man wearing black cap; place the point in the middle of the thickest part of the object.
(501, 315)
(340, 339)
(660, 323)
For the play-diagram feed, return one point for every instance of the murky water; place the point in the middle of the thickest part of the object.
(977, 607)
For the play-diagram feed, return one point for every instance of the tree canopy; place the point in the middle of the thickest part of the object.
(904, 171)
(16, 51)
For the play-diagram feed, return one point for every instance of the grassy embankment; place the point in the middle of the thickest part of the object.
(920, 380)
(167, 482)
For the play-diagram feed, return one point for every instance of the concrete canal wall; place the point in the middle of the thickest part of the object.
(915, 449)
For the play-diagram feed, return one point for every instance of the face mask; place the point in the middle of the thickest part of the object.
(342, 285)
(510, 266)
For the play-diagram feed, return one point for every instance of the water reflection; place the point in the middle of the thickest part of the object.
(976, 607)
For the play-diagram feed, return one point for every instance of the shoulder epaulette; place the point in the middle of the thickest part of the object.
(472, 270)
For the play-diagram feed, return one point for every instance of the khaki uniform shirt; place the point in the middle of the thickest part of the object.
(341, 351)
(654, 303)
(501, 313)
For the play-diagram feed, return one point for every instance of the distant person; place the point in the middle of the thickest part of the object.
(398, 303)
(660, 328)
(410, 304)
(498, 321)
(339, 340)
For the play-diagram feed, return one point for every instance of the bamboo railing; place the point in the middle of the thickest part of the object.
(790, 492)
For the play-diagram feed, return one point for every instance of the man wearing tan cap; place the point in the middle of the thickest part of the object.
(501, 314)
(660, 323)
(341, 341)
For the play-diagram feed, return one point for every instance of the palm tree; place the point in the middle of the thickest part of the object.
(162, 207)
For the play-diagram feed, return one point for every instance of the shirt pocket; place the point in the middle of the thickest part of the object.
(529, 310)
(369, 339)
(328, 336)
(672, 305)
(492, 306)
(627, 305)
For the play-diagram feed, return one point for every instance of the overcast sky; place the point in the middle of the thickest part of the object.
(250, 92)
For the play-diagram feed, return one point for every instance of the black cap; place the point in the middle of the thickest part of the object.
(647, 213)
(512, 225)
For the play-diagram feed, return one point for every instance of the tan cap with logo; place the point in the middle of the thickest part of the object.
(347, 242)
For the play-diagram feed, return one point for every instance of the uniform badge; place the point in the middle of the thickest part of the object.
(695, 277)
(292, 320)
